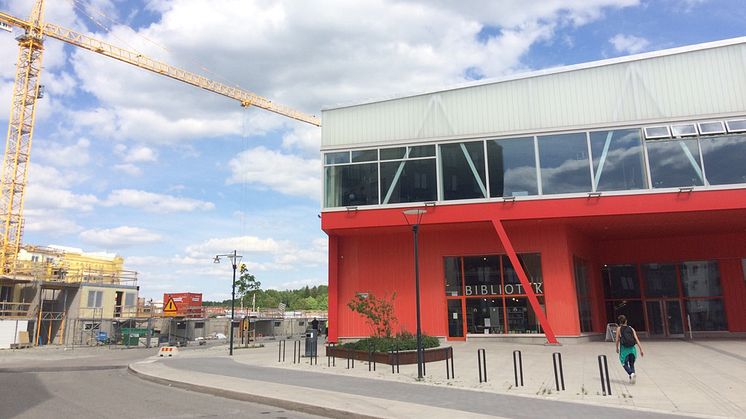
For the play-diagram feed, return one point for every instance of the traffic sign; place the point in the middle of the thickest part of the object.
(170, 308)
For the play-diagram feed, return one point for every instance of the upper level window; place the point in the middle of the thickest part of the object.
(618, 161)
(411, 179)
(564, 163)
(462, 170)
(675, 163)
(512, 167)
(736, 125)
(337, 158)
(707, 128)
(723, 159)
(657, 132)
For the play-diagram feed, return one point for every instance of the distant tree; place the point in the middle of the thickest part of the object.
(246, 284)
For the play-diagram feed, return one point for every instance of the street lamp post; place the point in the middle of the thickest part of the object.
(416, 215)
(234, 258)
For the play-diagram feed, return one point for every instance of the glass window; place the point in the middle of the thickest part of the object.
(707, 314)
(632, 309)
(95, 298)
(723, 159)
(700, 279)
(620, 281)
(484, 315)
(657, 132)
(675, 163)
(482, 275)
(520, 315)
(393, 153)
(408, 181)
(512, 167)
(453, 276)
(531, 263)
(129, 299)
(422, 151)
(712, 127)
(337, 158)
(737, 125)
(684, 130)
(462, 168)
(660, 280)
(355, 184)
(618, 162)
(565, 167)
(364, 155)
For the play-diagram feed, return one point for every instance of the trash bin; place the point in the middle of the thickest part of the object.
(312, 337)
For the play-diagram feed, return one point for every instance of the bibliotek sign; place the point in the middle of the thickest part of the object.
(507, 289)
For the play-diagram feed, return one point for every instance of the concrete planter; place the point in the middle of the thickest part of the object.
(405, 357)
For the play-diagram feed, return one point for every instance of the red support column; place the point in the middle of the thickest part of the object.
(332, 329)
(508, 246)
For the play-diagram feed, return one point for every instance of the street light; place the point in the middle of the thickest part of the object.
(234, 258)
(413, 217)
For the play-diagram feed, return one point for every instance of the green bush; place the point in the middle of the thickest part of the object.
(404, 341)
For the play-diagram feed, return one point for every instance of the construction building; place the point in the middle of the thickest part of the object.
(61, 295)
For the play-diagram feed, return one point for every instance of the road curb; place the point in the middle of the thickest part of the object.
(248, 397)
(20, 370)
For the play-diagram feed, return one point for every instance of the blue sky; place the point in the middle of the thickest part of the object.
(168, 175)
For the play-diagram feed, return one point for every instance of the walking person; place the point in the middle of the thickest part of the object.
(626, 339)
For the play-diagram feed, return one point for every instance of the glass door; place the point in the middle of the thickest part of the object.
(664, 318)
(455, 320)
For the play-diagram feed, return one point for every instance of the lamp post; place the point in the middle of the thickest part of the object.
(234, 258)
(413, 217)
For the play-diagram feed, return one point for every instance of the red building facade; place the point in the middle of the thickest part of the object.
(553, 226)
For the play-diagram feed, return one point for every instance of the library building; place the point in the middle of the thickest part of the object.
(541, 206)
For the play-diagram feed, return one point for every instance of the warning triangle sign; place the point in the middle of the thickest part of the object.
(170, 306)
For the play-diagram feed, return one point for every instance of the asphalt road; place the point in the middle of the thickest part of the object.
(97, 385)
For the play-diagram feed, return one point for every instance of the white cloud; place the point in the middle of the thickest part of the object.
(242, 244)
(305, 138)
(285, 173)
(629, 43)
(45, 197)
(138, 154)
(50, 222)
(153, 202)
(307, 55)
(119, 237)
(73, 155)
(129, 169)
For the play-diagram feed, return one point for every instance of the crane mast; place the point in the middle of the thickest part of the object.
(26, 91)
(20, 133)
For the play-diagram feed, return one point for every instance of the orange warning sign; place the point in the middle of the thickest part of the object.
(170, 308)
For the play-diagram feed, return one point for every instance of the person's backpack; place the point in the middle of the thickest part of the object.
(627, 337)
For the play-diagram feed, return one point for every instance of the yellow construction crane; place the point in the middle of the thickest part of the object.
(27, 90)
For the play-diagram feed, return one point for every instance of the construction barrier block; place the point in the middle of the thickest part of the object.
(168, 351)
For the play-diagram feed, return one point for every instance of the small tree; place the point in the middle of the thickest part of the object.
(378, 311)
(246, 283)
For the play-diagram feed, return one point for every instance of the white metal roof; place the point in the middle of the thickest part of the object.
(695, 81)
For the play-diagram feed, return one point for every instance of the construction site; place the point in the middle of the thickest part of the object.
(58, 295)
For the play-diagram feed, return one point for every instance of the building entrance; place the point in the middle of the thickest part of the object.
(664, 318)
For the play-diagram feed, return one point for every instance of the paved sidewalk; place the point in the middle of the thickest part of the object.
(703, 378)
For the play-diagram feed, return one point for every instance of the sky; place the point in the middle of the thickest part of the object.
(168, 175)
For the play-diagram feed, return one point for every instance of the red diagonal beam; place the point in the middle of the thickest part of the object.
(508, 246)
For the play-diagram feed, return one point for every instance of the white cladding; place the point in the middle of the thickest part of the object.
(684, 83)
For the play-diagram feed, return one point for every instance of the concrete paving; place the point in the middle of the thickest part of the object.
(705, 378)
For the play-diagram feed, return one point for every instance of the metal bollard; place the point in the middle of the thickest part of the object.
(394, 358)
(296, 350)
(517, 366)
(330, 361)
(557, 360)
(603, 371)
(350, 358)
(314, 358)
(371, 360)
(281, 352)
(482, 364)
(449, 374)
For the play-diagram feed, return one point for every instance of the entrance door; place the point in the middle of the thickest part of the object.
(455, 320)
(664, 318)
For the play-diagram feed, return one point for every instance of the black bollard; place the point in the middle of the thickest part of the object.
(482, 364)
(603, 370)
(449, 356)
(557, 360)
(517, 366)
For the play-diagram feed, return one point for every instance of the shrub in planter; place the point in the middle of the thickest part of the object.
(403, 341)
